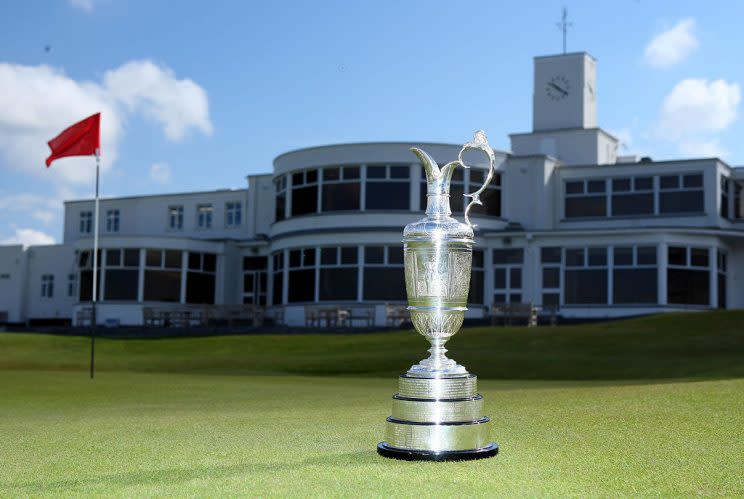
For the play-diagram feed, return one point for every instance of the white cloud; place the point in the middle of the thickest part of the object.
(86, 5)
(160, 173)
(178, 105)
(28, 237)
(697, 106)
(672, 46)
(694, 112)
(38, 102)
(703, 149)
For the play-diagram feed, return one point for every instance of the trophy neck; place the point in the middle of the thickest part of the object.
(438, 205)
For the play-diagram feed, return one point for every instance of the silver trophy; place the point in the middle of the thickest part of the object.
(437, 412)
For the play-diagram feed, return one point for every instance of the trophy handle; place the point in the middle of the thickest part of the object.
(479, 143)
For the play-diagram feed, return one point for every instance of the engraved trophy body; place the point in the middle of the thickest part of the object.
(437, 411)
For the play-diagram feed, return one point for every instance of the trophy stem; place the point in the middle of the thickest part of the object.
(437, 358)
(437, 364)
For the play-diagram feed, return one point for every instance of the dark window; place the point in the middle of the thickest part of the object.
(646, 255)
(329, 256)
(210, 262)
(669, 182)
(515, 277)
(575, 187)
(154, 258)
(349, 255)
(376, 172)
(400, 172)
(586, 206)
(491, 199)
(338, 283)
(121, 284)
(499, 278)
(374, 254)
(475, 294)
(643, 183)
(550, 255)
(575, 257)
(551, 299)
(255, 262)
(623, 256)
(301, 285)
(384, 284)
(634, 285)
(633, 204)
(551, 277)
(597, 257)
(686, 196)
(503, 256)
(621, 184)
(477, 258)
(200, 287)
(341, 196)
(695, 180)
(280, 206)
(596, 186)
(688, 287)
(387, 196)
(681, 202)
(162, 285)
(304, 200)
(586, 286)
(113, 258)
(395, 255)
(86, 285)
(276, 296)
(331, 174)
(699, 257)
(131, 258)
(172, 259)
(677, 256)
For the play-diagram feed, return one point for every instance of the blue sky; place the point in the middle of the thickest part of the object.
(197, 95)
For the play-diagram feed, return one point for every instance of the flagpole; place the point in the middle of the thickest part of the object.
(94, 318)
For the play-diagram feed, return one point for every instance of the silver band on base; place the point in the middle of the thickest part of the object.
(437, 419)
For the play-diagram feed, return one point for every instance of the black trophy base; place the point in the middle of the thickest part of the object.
(385, 450)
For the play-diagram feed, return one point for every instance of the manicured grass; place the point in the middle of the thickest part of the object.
(134, 434)
(679, 345)
(651, 407)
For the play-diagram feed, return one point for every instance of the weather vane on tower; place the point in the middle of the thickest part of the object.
(563, 26)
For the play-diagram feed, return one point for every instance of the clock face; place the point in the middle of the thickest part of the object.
(557, 88)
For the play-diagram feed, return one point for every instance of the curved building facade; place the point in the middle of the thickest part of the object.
(566, 224)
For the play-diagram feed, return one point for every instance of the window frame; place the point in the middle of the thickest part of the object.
(204, 216)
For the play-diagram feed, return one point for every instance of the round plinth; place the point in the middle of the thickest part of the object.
(386, 450)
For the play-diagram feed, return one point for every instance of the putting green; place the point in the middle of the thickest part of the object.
(253, 416)
(214, 435)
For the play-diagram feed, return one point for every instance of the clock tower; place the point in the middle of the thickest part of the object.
(564, 92)
(564, 114)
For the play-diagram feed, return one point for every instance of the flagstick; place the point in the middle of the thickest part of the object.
(94, 318)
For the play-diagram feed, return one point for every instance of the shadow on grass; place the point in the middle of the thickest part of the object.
(178, 476)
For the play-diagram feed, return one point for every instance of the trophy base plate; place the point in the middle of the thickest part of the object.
(386, 450)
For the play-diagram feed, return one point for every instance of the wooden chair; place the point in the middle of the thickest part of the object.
(312, 316)
(396, 315)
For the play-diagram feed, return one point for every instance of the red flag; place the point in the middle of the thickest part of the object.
(81, 139)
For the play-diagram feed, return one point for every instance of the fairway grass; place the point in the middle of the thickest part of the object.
(645, 407)
(135, 434)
